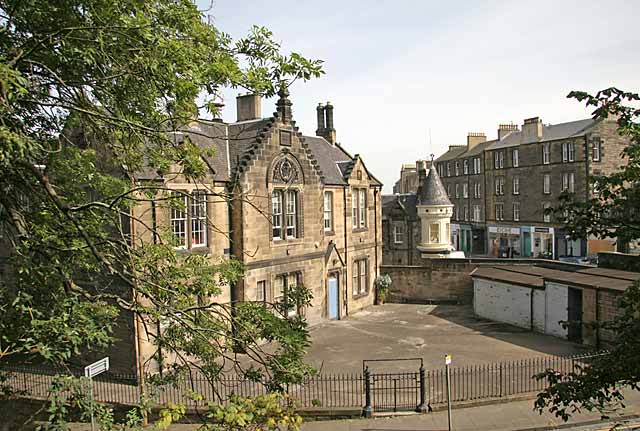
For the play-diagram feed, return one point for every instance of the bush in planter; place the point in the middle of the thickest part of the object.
(383, 284)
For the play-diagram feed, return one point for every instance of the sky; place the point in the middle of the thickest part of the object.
(409, 78)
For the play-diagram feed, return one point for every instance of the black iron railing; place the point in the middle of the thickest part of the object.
(379, 391)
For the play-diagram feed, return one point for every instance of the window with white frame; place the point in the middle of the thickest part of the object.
(276, 214)
(449, 190)
(516, 211)
(261, 291)
(499, 186)
(284, 214)
(465, 190)
(568, 151)
(457, 190)
(457, 165)
(596, 150)
(477, 190)
(188, 219)
(291, 215)
(515, 157)
(546, 214)
(198, 219)
(362, 202)
(465, 211)
(516, 185)
(568, 182)
(465, 167)
(476, 165)
(360, 277)
(565, 182)
(398, 234)
(448, 169)
(284, 286)
(476, 213)
(546, 153)
(179, 218)
(359, 208)
(328, 211)
(571, 148)
(546, 184)
(499, 211)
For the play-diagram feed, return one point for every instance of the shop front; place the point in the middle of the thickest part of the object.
(465, 238)
(455, 236)
(542, 243)
(504, 241)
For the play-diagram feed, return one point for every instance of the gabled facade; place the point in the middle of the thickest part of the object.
(294, 209)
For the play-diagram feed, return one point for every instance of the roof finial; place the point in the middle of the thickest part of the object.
(284, 104)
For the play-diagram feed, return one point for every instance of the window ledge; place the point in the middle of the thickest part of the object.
(360, 229)
(329, 232)
(194, 250)
(360, 295)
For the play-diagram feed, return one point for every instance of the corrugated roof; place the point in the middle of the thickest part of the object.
(550, 132)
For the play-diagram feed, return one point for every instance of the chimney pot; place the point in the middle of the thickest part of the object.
(249, 106)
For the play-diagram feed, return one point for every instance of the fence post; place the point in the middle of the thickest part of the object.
(422, 407)
(500, 363)
(367, 412)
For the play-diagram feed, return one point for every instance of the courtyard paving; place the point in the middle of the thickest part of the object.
(425, 331)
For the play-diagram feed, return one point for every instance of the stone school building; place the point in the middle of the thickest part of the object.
(294, 209)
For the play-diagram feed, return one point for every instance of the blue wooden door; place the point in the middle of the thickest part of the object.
(333, 297)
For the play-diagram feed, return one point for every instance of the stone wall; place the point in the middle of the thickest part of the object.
(624, 262)
(447, 280)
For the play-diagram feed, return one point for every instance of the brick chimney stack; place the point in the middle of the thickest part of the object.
(505, 129)
(475, 138)
(249, 107)
(532, 130)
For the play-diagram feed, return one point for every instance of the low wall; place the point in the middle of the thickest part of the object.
(621, 261)
(448, 280)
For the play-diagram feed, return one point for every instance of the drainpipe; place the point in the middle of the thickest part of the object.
(375, 229)
(598, 319)
(531, 311)
(346, 254)
(154, 224)
(587, 168)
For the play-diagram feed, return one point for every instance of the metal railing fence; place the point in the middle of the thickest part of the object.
(388, 391)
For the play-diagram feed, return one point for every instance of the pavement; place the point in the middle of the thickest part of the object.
(428, 332)
(515, 415)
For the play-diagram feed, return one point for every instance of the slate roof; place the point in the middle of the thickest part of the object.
(453, 152)
(204, 134)
(550, 132)
(584, 278)
(335, 163)
(405, 201)
(432, 192)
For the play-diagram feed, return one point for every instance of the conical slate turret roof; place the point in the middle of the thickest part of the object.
(431, 191)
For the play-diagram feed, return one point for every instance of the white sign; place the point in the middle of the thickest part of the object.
(97, 368)
(447, 359)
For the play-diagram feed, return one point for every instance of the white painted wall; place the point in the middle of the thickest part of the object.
(539, 310)
(502, 302)
(556, 308)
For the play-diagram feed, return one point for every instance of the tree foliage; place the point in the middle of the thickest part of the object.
(90, 91)
(611, 211)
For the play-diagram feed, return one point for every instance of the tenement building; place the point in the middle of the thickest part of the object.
(501, 188)
(294, 209)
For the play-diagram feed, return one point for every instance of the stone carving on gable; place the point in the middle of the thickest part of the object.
(286, 170)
